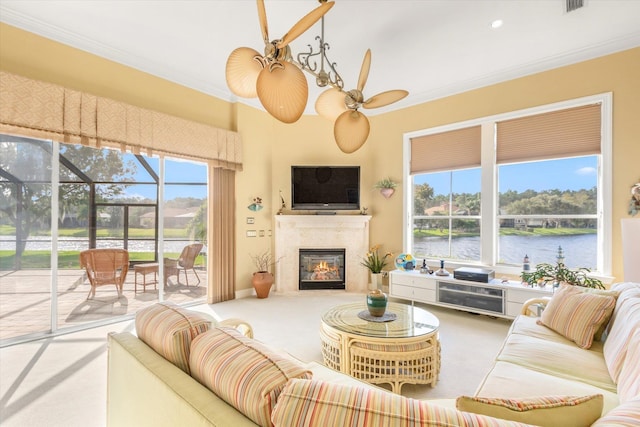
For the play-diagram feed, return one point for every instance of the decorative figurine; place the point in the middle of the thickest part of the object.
(424, 269)
(560, 256)
(442, 271)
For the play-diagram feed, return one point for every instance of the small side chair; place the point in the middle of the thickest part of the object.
(105, 267)
(173, 267)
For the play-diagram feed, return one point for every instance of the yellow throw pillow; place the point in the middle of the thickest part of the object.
(553, 411)
(247, 374)
(169, 329)
(577, 315)
(305, 403)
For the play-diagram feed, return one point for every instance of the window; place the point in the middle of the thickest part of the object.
(534, 182)
(59, 199)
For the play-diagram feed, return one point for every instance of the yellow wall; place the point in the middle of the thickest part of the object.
(271, 147)
(38, 58)
(617, 73)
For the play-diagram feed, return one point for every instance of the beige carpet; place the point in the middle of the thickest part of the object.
(288, 322)
(62, 381)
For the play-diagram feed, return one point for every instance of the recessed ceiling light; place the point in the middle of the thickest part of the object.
(497, 23)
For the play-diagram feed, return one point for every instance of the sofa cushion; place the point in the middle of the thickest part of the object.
(245, 373)
(529, 326)
(552, 411)
(629, 380)
(625, 415)
(169, 330)
(624, 322)
(305, 403)
(499, 382)
(577, 315)
(564, 360)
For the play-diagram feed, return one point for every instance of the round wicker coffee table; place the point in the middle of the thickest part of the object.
(399, 351)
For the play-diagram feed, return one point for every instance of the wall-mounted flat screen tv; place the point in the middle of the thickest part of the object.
(325, 187)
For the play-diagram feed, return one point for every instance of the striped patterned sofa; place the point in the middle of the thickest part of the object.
(185, 369)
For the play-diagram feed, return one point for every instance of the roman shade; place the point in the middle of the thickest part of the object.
(44, 110)
(563, 133)
(455, 149)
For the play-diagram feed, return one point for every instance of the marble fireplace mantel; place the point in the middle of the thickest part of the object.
(294, 232)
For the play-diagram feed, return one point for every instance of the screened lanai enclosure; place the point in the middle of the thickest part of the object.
(57, 200)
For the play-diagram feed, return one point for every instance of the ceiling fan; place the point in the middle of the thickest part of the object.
(277, 81)
(351, 127)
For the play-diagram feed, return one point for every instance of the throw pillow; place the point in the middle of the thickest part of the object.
(552, 411)
(626, 414)
(169, 330)
(245, 373)
(600, 333)
(577, 315)
(305, 403)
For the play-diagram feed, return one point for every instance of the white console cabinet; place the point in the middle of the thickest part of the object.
(496, 298)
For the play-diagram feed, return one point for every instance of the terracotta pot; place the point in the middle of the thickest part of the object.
(376, 303)
(262, 281)
(387, 192)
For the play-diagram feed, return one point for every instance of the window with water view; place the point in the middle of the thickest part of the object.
(538, 190)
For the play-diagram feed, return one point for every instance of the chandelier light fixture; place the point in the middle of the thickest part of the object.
(279, 82)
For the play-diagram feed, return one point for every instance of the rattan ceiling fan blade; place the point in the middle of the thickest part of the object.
(330, 104)
(283, 91)
(242, 72)
(305, 23)
(351, 131)
(262, 16)
(364, 70)
(385, 98)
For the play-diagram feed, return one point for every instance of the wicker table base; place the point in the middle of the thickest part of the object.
(394, 360)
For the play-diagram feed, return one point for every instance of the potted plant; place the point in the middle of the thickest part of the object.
(387, 187)
(559, 274)
(262, 278)
(375, 263)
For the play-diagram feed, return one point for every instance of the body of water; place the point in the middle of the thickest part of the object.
(579, 250)
(43, 243)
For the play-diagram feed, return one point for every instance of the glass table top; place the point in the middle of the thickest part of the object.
(410, 321)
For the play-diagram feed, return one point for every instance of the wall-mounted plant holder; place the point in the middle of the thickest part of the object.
(256, 205)
(387, 192)
(387, 187)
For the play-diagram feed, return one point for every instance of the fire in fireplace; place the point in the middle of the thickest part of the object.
(322, 269)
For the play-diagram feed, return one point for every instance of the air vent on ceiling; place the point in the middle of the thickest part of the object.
(574, 4)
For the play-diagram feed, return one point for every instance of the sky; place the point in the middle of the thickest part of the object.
(564, 174)
(176, 171)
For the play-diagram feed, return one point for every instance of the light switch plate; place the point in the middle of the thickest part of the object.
(252, 233)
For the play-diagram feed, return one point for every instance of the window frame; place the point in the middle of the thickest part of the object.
(489, 220)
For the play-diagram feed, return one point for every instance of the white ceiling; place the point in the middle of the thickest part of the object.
(432, 48)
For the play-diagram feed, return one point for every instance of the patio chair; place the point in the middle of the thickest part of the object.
(173, 266)
(105, 267)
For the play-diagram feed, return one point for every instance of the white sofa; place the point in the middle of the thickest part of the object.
(144, 388)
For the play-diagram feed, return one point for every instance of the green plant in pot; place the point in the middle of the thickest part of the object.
(559, 274)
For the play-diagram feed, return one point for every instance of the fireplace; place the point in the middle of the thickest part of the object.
(321, 269)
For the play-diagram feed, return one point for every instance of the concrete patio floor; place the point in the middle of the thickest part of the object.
(25, 299)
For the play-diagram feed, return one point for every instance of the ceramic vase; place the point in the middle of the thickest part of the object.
(262, 281)
(376, 281)
(376, 303)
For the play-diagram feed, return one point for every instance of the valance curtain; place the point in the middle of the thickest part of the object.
(45, 110)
